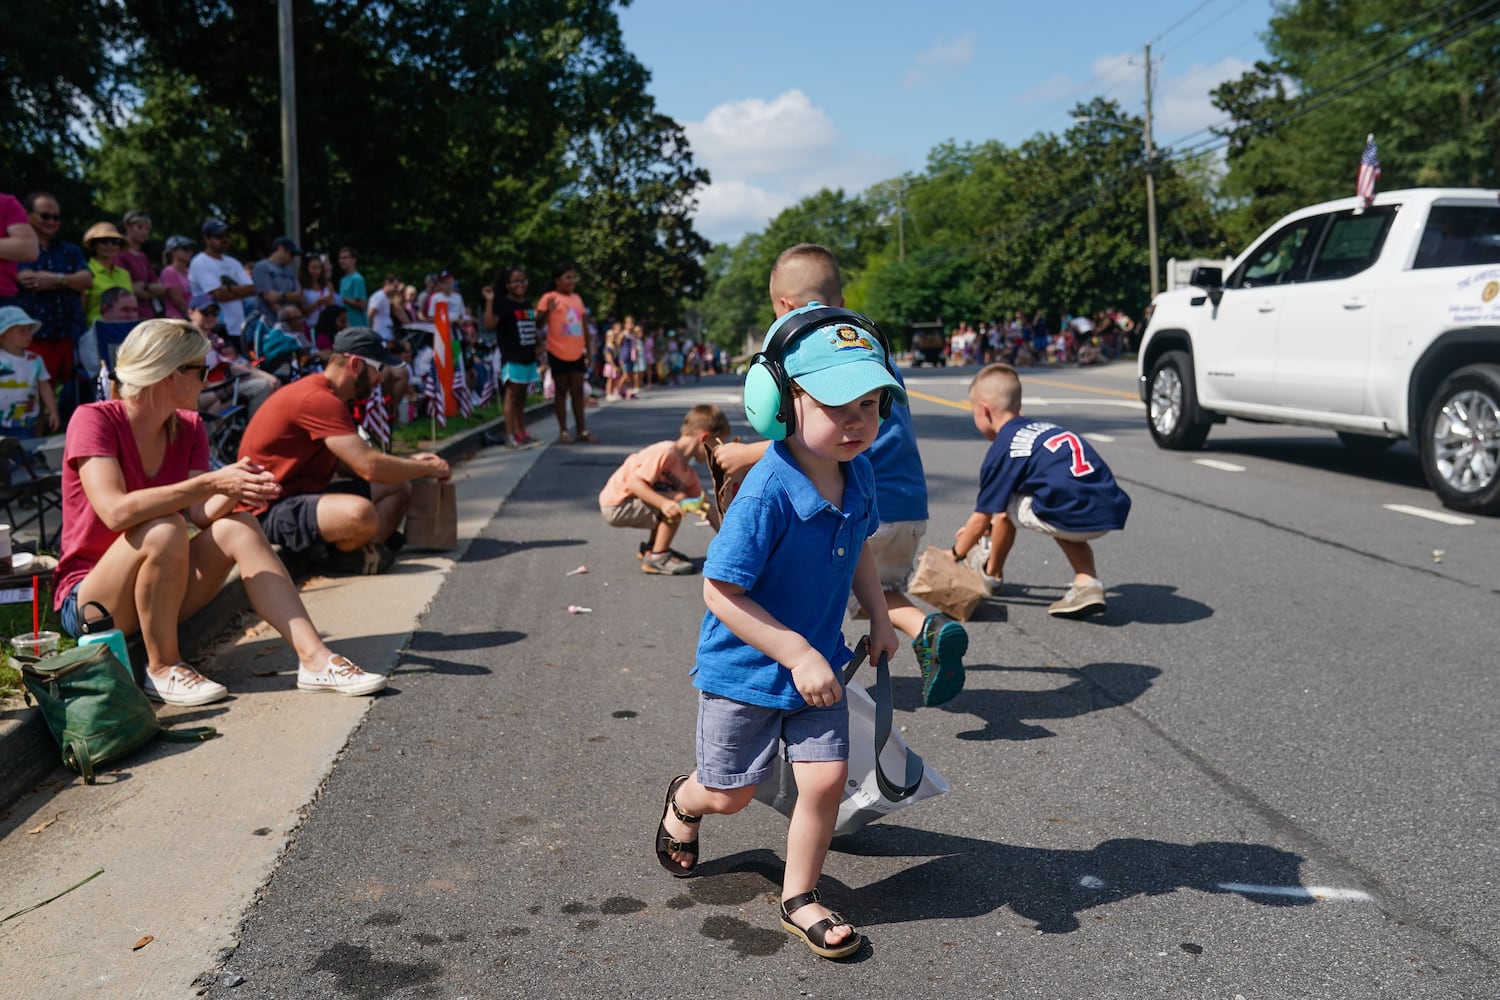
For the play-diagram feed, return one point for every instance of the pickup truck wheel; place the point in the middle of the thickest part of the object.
(1461, 440)
(1365, 444)
(1172, 412)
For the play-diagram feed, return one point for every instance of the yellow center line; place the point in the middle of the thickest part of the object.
(937, 399)
(964, 405)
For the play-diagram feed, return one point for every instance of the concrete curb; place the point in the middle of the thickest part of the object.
(28, 752)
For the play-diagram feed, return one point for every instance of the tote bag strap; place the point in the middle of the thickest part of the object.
(884, 706)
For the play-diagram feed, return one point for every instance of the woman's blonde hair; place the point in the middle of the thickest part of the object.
(153, 351)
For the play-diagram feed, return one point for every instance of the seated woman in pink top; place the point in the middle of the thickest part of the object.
(135, 477)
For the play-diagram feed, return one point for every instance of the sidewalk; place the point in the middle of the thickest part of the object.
(183, 835)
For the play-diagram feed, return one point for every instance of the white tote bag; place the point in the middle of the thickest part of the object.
(884, 773)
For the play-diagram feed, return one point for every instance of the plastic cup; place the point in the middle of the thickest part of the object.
(36, 644)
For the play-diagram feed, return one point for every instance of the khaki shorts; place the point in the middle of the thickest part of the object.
(895, 546)
(633, 513)
(1021, 513)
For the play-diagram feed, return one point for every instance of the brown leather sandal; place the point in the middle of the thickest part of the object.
(666, 845)
(816, 936)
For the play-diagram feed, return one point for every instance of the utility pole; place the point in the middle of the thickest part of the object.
(291, 186)
(901, 222)
(1151, 185)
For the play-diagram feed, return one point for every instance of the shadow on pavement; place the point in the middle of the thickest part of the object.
(483, 548)
(1091, 688)
(1052, 887)
(1049, 887)
(1150, 604)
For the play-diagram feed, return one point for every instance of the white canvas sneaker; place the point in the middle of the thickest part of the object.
(340, 676)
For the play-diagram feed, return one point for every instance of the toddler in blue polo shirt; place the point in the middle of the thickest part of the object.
(778, 574)
(1038, 476)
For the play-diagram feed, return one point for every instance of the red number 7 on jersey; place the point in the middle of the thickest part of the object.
(1081, 466)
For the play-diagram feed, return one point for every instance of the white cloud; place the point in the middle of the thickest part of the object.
(764, 156)
(745, 138)
(728, 210)
(941, 58)
(1184, 105)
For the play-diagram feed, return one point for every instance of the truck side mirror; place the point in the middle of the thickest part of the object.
(1207, 277)
(1211, 280)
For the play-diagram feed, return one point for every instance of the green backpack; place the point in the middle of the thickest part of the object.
(96, 712)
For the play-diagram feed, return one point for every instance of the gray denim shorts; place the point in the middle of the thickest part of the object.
(737, 742)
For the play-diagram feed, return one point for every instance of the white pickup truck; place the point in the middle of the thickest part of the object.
(1379, 324)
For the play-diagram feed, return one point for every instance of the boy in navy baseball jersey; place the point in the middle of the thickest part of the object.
(1037, 475)
(771, 647)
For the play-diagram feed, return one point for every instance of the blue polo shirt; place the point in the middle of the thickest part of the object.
(795, 554)
(900, 483)
(1070, 486)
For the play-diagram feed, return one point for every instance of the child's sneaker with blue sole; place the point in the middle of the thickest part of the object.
(940, 648)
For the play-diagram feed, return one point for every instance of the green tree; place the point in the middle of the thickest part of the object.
(633, 229)
(1076, 237)
(737, 307)
(60, 75)
(1424, 78)
(431, 132)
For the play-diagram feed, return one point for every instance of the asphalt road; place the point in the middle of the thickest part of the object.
(1268, 771)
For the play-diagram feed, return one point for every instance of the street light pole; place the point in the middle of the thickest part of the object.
(1151, 186)
(291, 184)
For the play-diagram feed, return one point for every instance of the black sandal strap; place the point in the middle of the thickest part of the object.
(682, 817)
(790, 906)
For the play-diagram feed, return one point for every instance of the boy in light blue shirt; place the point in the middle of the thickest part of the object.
(791, 548)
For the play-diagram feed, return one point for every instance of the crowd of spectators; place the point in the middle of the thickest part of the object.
(1023, 342)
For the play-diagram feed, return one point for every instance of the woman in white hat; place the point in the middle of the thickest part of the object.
(103, 243)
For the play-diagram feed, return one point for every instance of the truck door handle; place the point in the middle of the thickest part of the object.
(1354, 303)
(1266, 307)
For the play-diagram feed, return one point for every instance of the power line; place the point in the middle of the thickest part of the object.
(1180, 21)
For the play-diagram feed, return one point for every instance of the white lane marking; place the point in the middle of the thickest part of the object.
(1322, 893)
(1100, 437)
(1213, 463)
(1431, 515)
(1129, 404)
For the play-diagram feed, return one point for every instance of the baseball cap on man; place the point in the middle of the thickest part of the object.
(13, 316)
(364, 342)
(203, 301)
(287, 243)
(215, 227)
(178, 243)
(837, 362)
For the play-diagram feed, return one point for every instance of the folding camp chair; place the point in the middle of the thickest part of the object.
(28, 490)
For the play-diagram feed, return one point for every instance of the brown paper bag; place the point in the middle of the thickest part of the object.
(432, 517)
(951, 587)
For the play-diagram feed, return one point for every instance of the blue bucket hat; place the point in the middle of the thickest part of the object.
(838, 362)
(16, 316)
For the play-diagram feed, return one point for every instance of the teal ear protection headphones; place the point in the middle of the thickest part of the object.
(768, 396)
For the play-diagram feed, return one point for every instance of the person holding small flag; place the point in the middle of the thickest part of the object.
(306, 435)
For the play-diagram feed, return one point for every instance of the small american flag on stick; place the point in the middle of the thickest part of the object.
(375, 420)
(1369, 169)
(432, 391)
(461, 394)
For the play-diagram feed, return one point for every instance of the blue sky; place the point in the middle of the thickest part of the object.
(782, 98)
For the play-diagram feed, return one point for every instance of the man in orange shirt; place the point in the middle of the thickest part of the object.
(305, 435)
